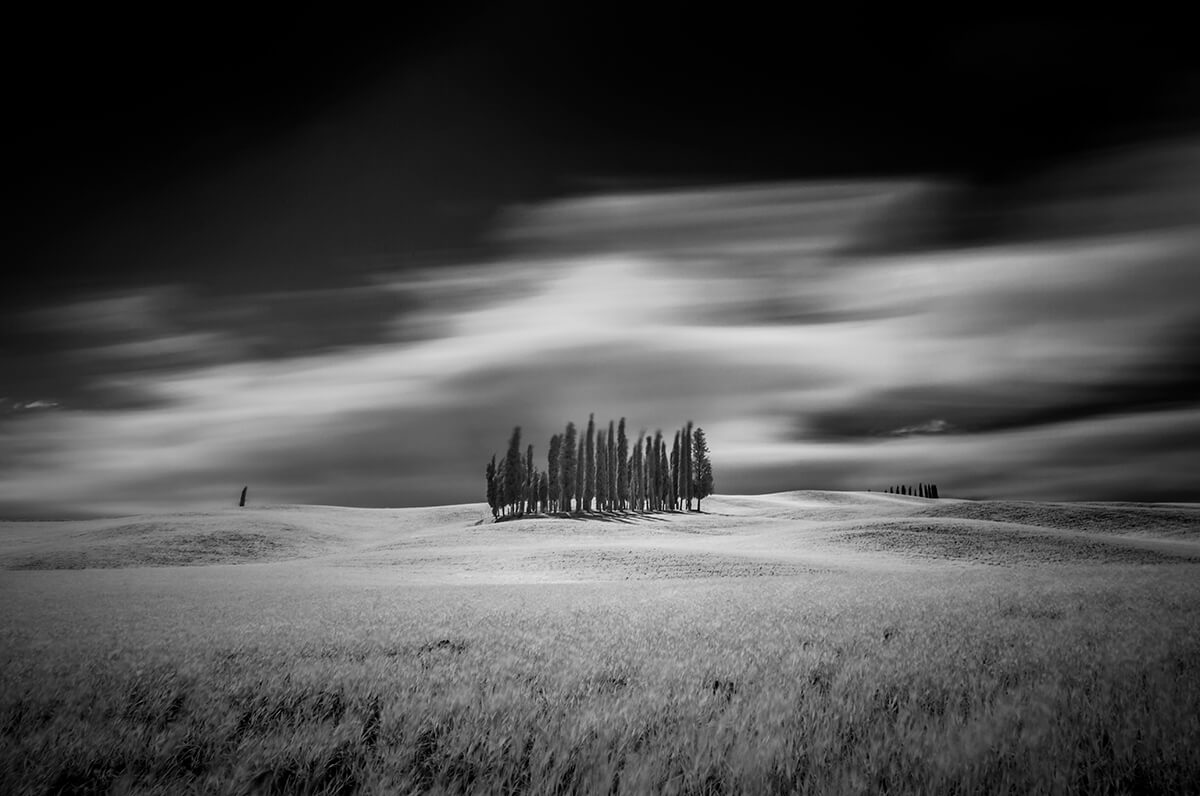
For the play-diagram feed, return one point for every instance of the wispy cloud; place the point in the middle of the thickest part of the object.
(935, 426)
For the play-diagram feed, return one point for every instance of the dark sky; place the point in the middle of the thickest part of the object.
(200, 196)
(177, 139)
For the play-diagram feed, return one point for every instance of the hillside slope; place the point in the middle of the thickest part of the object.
(784, 533)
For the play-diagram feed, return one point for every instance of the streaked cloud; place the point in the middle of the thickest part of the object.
(817, 347)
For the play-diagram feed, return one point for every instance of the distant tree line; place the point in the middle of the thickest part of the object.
(600, 472)
(920, 490)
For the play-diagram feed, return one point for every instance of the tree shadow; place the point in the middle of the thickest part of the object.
(622, 517)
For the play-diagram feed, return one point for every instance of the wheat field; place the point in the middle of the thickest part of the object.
(809, 642)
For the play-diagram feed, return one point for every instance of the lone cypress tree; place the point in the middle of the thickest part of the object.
(703, 466)
(568, 468)
(514, 471)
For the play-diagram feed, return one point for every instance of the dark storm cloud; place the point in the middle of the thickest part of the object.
(106, 351)
(1126, 190)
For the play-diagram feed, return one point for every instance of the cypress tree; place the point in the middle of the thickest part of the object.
(601, 472)
(611, 453)
(652, 472)
(501, 480)
(514, 470)
(579, 471)
(704, 475)
(568, 468)
(675, 473)
(648, 474)
(664, 475)
(491, 486)
(632, 468)
(686, 458)
(589, 482)
(623, 464)
(659, 477)
(554, 474)
(639, 483)
(529, 482)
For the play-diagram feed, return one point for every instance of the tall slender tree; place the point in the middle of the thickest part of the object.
(648, 473)
(589, 477)
(553, 474)
(658, 470)
(703, 466)
(530, 482)
(514, 470)
(611, 454)
(685, 457)
(639, 483)
(675, 473)
(601, 472)
(664, 475)
(501, 486)
(623, 464)
(579, 473)
(568, 468)
(491, 487)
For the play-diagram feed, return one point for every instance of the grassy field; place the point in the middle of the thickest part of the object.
(798, 642)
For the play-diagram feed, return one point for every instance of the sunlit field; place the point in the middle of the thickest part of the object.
(799, 642)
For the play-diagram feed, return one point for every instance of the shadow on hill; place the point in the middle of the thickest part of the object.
(623, 517)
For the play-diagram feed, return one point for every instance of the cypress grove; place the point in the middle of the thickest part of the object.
(599, 471)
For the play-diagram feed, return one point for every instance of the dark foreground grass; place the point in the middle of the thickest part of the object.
(976, 681)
